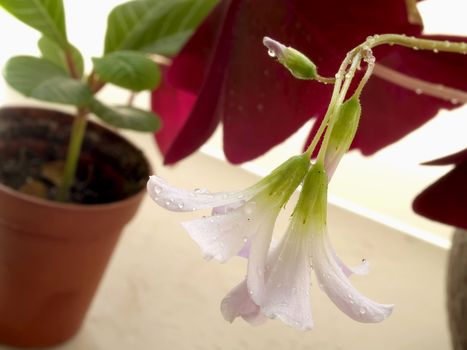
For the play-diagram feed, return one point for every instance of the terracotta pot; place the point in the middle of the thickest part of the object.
(53, 255)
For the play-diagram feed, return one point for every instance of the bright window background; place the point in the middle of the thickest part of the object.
(381, 187)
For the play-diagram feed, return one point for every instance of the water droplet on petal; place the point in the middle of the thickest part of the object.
(249, 207)
(200, 191)
(454, 101)
(362, 310)
(158, 189)
(435, 50)
(180, 205)
(245, 239)
(271, 53)
(418, 91)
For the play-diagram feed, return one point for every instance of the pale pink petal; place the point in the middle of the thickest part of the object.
(361, 269)
(287, 290)
(337, 286)
(238, 303)
(245, 252)
(222, 236)
(176, 199)
(259, 248)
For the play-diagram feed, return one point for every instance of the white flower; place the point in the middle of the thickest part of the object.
(239, 219)
(287, 274)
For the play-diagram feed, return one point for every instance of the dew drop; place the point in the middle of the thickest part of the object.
(167, 203)
(363, 261)
(240, 196)
(435, 50)
(454, 101)
(271, 53)
(158, 189)
(351, 301)
(418, 91)
(200, 191)
(249, 207)
(416, 48)
(245, 239)
(362, 310)
(180, 205)
(350, 296)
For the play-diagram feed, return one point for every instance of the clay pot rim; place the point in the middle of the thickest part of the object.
(71, 206)
(74, 206)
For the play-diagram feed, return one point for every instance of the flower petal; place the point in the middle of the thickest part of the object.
(223, 236)
(259, 248)
(176, 199)
(287, 291)
(238, 303)
(334, 282)
(362, 269)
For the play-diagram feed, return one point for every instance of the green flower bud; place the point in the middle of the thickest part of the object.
(296, 62)
(343, 132)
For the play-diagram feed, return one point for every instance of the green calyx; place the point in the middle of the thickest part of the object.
(312, 203)
(298, 64)
(345, 127)
(283, 181)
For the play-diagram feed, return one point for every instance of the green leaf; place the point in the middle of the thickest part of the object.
(55, 54)
(41, 79)
(142, 24)
(170, 45)
(128, 69)
(47, 16)
(126, 117)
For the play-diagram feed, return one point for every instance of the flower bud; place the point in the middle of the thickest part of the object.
(297, 63)
(343, 132)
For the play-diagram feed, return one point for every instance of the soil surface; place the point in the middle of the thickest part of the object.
(33, 145)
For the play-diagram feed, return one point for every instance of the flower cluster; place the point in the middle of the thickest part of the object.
(277, 284)
(278, 279)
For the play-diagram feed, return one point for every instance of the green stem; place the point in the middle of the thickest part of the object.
(72, 158)
(416, 43)
(342, 93)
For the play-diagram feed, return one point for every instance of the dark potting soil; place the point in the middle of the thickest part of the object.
(33, 144)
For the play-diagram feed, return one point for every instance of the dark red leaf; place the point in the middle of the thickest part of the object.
(445, 200)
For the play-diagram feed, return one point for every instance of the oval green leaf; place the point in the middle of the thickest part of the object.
(126, 117)
(148, 24)
(47, 16)
(128, 69)
(52, 52)
(41, 79)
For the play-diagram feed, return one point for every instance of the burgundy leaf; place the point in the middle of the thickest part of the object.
(445, 200)
(259, 102)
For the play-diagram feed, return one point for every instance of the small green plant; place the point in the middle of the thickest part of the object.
(135, 30)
